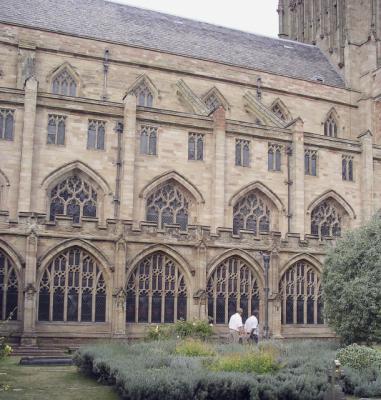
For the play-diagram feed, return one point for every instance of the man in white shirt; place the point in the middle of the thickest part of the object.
(236, 326)
(251, 328)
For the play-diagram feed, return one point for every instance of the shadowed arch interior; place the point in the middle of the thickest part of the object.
(9, 288)
(232, 284)
(156, 291)
(72, 288)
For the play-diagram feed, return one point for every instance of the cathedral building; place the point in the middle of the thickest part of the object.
(155, 168)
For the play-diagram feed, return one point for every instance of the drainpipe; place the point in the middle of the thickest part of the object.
(119, 131)
(289, 183)
(266, 264)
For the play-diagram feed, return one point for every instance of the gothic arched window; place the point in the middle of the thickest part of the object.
(72, 288)
(8, 289)
(156, 291)
(278, 111)
(300, 292)
(74, 198)
(330, 126)
(7, 123)
(326, 219)
(63, 83)
(143, 95)
(274, 157)
(232, 285)
(252, 213)
(213, 102)
(168, 205)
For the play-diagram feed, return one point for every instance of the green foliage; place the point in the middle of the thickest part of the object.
(258, 362)
(352, 285)
(359, 357)
(181, 329)
(154, 370)
(194, 348)
(362, 383)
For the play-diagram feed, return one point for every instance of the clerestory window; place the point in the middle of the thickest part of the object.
(56, 129)
(63, 83)
(195, 146)
(7, 123)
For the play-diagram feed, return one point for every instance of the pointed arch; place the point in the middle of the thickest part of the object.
(300, 291)
(170, 199)
(95, 187)
(158, 287)
(73, 284)
(53, 251)
(213, 99)
(144, 90)
(255, 208)
(331, 123)
(336, 196)
(11, 282)
(64, 80)
(166, 176)
(4, 190)
(234, 280)
(281, 110)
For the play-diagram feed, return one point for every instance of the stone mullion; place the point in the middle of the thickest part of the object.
(175, 296)
(284, 300)
(150, 276)
(295, 297)
(163, 293)
(227, 295)
(316, 297)
(51, 293)
(250, 295)
(80, 274)
(238, 285)
(137, 295)
(66, 288)
(305, 287)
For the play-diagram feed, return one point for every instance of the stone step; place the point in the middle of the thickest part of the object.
(21, 351)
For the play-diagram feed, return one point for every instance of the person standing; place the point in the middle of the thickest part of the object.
(251, 328)
(236, 326)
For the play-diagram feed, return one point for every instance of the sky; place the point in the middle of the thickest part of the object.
(256, 16)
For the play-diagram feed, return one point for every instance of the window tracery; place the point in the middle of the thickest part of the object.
(96, 135)
(213, 102)
(6, 124)
(148, 140)
(196, 146)
(168, 205)
(156, 291)
(330, 126)
(242, 152)
(56, 129)
(252, 213)
(233, 284)
(73, 197)
(274, 157)
(301, 297)
(64, 84)
(326, 220)
(143, 95)
(72, 288)
(9, 289)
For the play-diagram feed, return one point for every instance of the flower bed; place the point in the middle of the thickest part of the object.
(160, 370)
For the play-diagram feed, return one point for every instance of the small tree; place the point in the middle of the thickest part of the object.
(352, 285)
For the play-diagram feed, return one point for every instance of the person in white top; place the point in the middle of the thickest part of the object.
(236, 326)
(251, 328)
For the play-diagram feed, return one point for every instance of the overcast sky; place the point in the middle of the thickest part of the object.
(257, 16)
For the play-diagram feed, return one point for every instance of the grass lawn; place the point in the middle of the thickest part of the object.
(49, 383)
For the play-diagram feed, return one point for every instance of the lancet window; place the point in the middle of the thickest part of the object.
(347, 168)
(252, 213)
(242, 152)
(274, 157)
(96, 135)
(6, 124)
(279, 112)
(72, 288)
(156, 291)
(310, 162)
(73, 197)
(233, 284)
(196, 146)
(301, 297)
(330, 126)
(326, 219)
(56, 129)
(143, 95)
(9, 287)
(213, 102)
(148, 140)
(64, 84)
(168, 205)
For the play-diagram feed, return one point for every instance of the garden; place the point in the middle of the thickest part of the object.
(193, 367)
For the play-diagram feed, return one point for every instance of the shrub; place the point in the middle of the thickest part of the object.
(362, 383)
(257, 362)
(359, 357)
(351, 285)
(181, 329)
(159, 332)
(194, 348)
